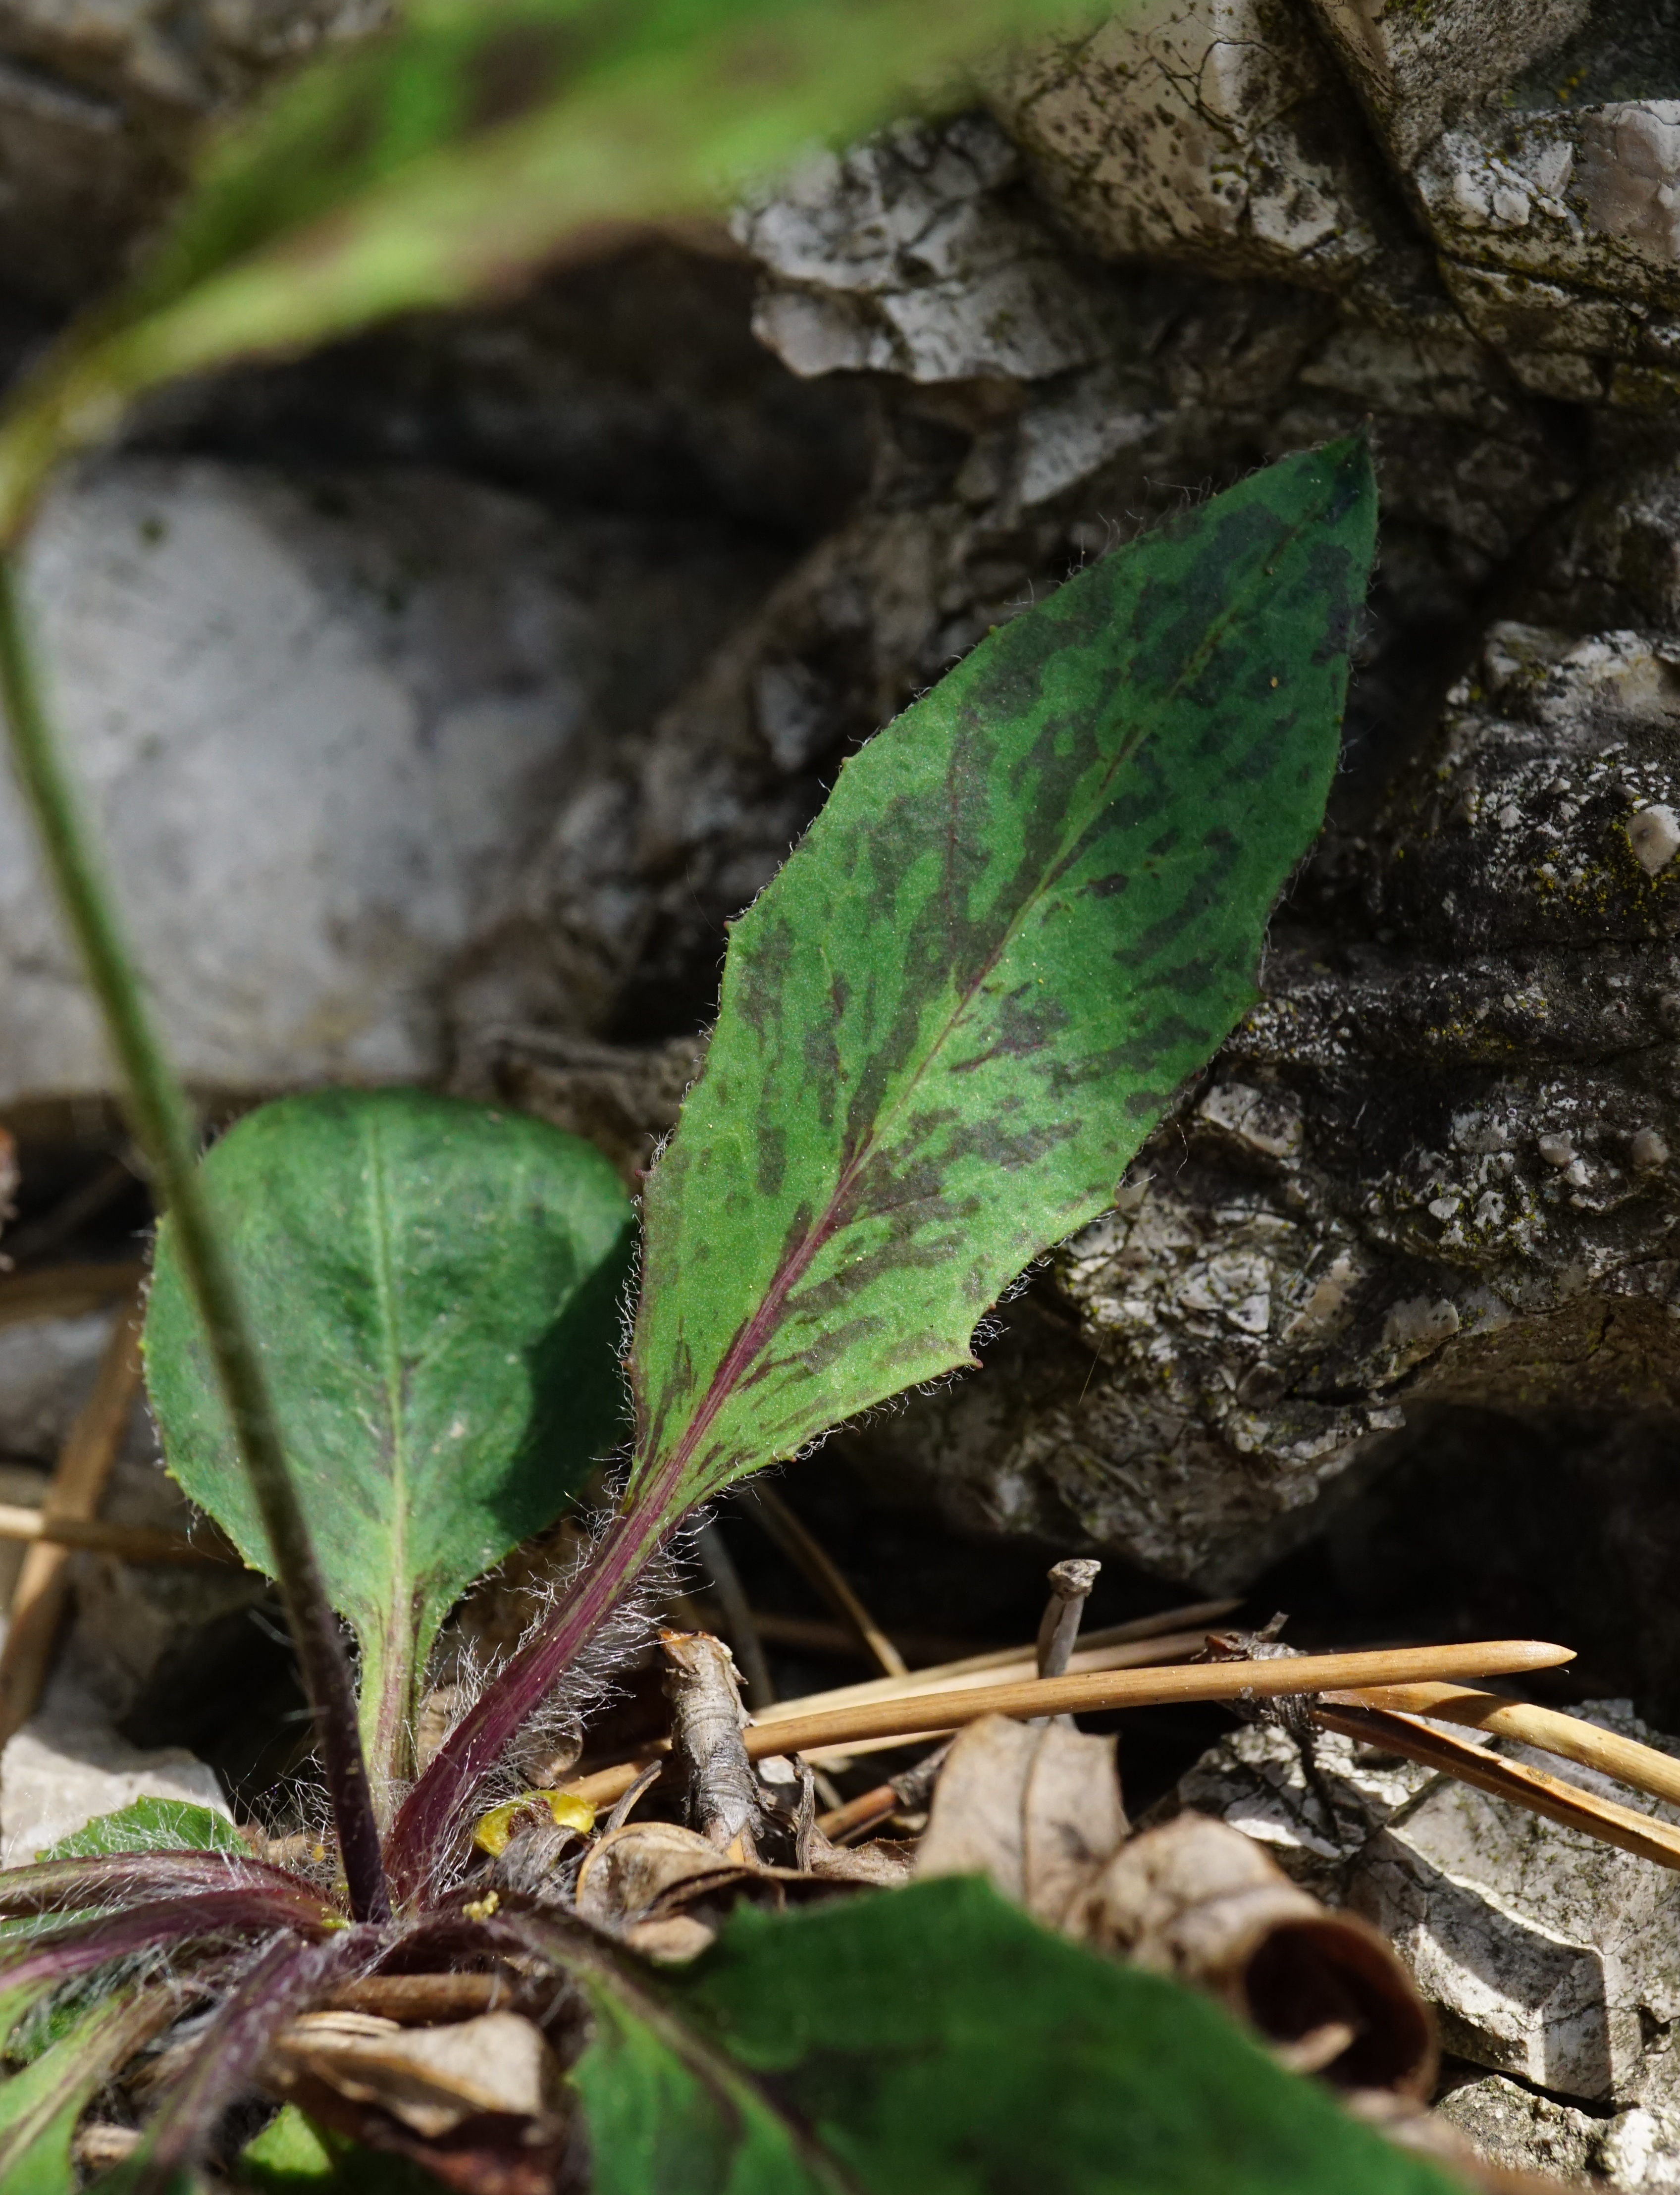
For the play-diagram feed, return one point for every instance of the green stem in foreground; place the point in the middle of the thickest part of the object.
(163, 1124)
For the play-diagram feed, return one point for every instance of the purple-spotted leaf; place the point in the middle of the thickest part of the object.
(1032, 907)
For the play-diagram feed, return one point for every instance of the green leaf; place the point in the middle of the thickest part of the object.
(479, 141)
(149, 1825)
(934, 2041)
(436, 1287)
(1030, 909)
(39, 2107)
(293, 2155)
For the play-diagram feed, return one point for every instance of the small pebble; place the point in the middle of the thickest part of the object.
(1655, 836)
(1555, 1150)
(1647, 1150)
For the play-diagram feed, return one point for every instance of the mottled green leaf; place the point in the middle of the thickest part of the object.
(935, 2041)
(479, 140)
(149, 1825)
(1031, 908)
(435, 1286)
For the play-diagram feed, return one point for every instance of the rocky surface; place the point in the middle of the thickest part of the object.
(1548, 1956)
(101, 106)
(319, 718)
(67, 1764)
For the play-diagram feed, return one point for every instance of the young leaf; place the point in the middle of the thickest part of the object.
(1032, 906)
(479, 140)
(934, 2041)
(1030, 909)
(436, 1285)
(148, 1826)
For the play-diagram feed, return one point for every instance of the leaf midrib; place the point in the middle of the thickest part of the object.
(762, 1323)
(391, 1357)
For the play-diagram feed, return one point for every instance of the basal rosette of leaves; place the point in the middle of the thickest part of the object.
(1032, 909)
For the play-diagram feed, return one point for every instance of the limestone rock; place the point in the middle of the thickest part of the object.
(67, 1765)
(320, 722)
(1416, 69)
(100, 106)
(900, 257)
(1204, 130)
(1548, 1956)
(1433, 1164)
(1636, 2150)
(46, 1368)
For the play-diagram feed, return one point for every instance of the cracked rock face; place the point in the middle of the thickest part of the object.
(1434, 1163)
(1208, 130)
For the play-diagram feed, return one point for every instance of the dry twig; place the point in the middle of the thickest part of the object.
(73, 1494)
(1641, 1766)
(133, 1543)
(1564, 1803)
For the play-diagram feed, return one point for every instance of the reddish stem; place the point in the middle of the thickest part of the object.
(430, 1817)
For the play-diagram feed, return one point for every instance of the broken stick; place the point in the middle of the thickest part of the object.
(134, 1543)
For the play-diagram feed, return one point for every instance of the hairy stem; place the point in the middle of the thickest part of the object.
(432, 1814)
(164, 1125)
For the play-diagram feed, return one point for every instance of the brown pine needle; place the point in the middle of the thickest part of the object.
(134, 1543)
(807, 1552)
(1640, 1766)
(1564, 1803)
(932, 1713)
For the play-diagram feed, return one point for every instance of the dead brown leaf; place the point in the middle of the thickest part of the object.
(1200, 1900)
(1036, 1808)
(430, 2079)
(663, 1889)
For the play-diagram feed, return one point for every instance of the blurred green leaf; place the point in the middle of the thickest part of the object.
(934, 2041)
(480, 140)
(1031, 908)
(40, 2105)
(293, 2155)
(437, 1288)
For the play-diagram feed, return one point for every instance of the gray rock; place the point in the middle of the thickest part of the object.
(100, 107)
(1433, 1164)
(1209, 131)
(46, 1368)
(67, 1764)
(1513, 2128)
(1548, 1956)
(901, 257)
(1416, 69)
(320, 722)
